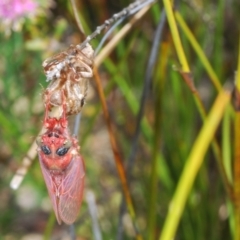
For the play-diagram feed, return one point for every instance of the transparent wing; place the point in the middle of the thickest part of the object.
(72, 191)
(51, 189)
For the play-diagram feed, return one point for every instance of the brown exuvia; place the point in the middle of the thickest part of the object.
(68, 73)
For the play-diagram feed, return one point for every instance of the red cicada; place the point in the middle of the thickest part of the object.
(62, 166)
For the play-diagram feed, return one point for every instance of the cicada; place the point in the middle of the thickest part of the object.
(62, 166)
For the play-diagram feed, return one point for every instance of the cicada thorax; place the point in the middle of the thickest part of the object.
(69, 72)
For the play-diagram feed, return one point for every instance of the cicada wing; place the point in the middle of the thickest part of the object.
(72, 191)
(51, 189)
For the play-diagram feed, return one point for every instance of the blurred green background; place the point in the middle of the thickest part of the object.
(171, 120)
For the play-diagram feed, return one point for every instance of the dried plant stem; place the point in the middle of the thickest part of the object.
(116, 153)
(26, 163)
(132, 8)
(120, 35)
(113, 27)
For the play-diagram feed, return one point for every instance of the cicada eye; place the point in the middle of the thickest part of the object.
(62, 151)
(46, 150)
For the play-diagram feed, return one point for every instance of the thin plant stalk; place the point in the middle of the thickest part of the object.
(133, 104)
(92, 206)
(236, 160)
(49, 227)
(116, 153)
(226, 146)
(237, 80)
(140, 114)
(176, 38)
(212, 74)
(77, 18)
(153, 188)
(236, 169)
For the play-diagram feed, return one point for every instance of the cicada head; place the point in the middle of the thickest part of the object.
(56, 150)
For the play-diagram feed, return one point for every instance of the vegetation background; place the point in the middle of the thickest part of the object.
(164, 174)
